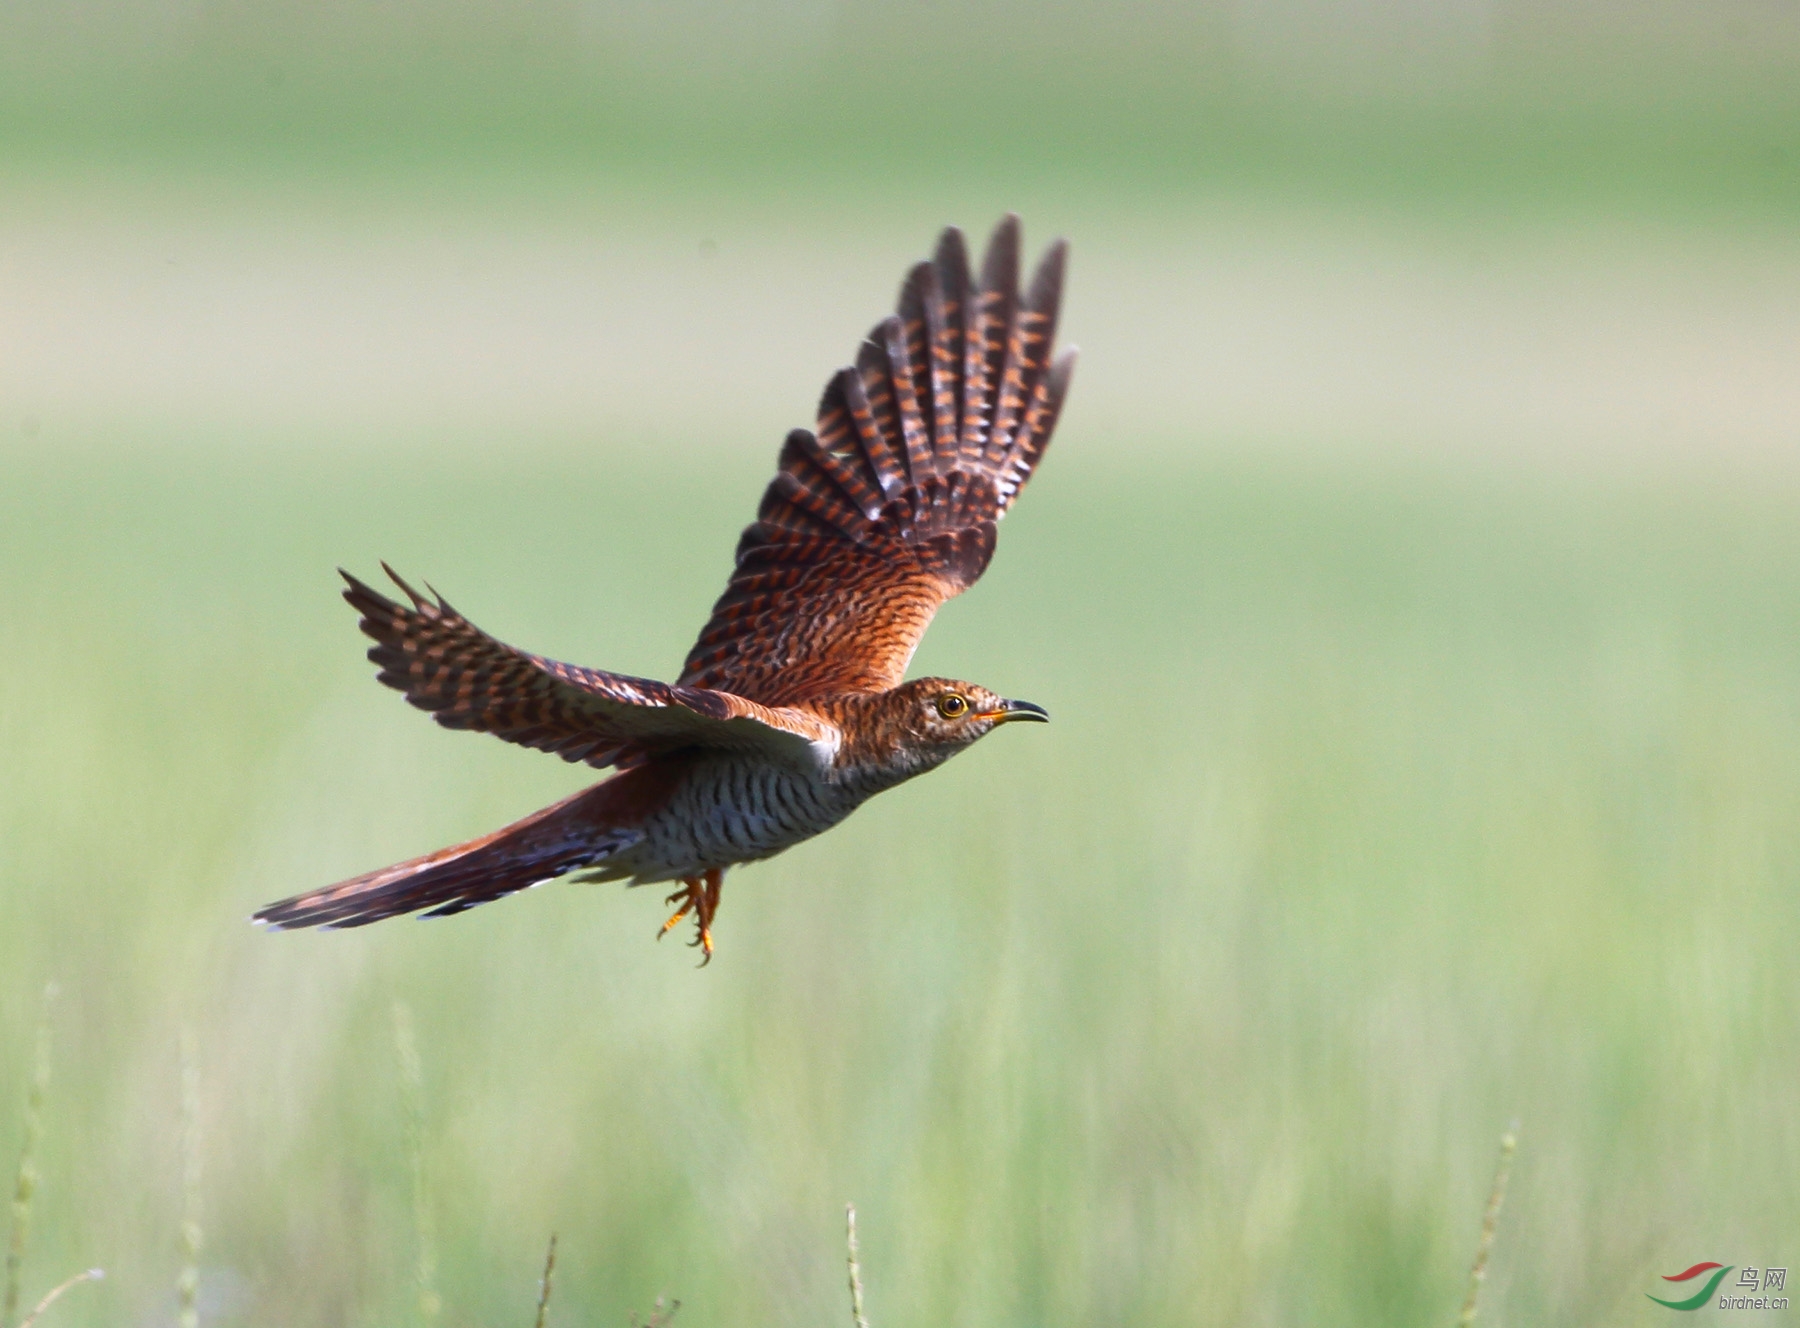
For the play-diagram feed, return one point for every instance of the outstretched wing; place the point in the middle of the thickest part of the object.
(890, 509)
(468, 680)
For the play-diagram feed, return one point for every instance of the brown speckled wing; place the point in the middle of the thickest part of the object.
(890, 508)
(468, 680)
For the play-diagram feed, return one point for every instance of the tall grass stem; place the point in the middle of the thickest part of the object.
(85, 1275)
(25, 1186)
(1490, 1221)
(544, 1286)
(856, 1291)
(192, 1237)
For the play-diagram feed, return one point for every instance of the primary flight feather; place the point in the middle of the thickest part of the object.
(791, 710)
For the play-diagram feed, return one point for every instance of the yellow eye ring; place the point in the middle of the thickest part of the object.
(953, 706)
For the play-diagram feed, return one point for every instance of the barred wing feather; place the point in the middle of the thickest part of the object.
(468, 680)
(891, 507)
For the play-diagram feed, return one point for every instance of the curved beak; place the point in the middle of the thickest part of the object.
(1014, 710)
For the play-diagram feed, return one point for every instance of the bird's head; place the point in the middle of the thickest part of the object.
(943, 715)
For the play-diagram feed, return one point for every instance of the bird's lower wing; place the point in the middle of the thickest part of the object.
(468, 680)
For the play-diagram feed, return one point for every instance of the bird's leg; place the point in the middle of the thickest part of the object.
(709, 908)
(698, 895)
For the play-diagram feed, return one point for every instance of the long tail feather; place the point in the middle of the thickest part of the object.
(581, 831)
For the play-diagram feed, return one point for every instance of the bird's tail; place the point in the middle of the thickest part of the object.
(580, 831)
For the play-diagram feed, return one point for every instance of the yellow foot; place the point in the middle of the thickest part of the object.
(688, 895)
(698, 895)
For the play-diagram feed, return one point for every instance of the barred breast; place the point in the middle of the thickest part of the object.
(731, 809)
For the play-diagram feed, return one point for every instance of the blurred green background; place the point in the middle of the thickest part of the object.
(1415, 583)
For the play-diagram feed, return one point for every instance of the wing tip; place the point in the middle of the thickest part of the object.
(952, 259)
(1000, 264)
(355, 587)
(1047, 281)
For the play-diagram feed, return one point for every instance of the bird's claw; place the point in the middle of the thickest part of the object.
(698, 895)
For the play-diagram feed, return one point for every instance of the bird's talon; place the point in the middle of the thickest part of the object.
(691, 893)
(700, 896)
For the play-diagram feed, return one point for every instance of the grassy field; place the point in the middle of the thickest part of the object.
(1385, 802)
(1415, 584)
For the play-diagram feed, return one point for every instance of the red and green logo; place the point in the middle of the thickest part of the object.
(1700, 1298)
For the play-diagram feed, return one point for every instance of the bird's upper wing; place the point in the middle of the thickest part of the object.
(890, 509)
(468, 680)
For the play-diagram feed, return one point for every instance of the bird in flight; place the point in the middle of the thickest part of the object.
(792, 709)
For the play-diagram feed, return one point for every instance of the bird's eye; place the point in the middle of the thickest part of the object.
(952, 706)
